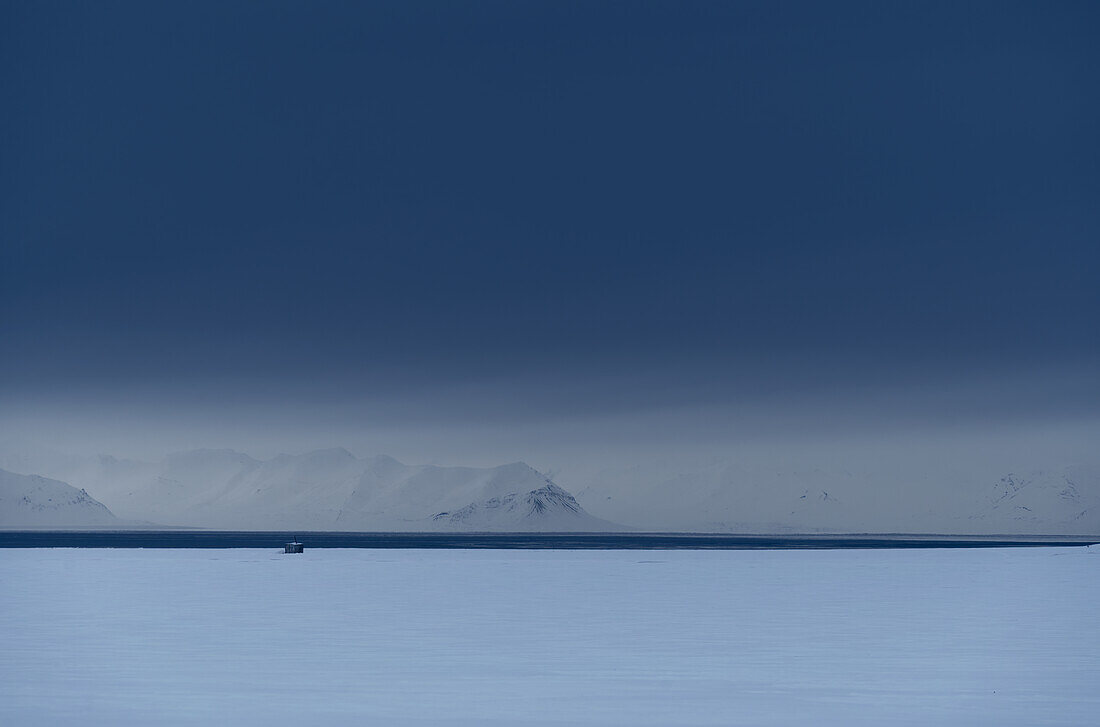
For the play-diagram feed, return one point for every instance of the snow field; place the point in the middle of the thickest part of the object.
(509, 637)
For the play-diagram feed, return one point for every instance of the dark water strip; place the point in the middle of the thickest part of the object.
(561, 541)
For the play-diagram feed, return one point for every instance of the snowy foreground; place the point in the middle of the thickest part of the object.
(503, 637)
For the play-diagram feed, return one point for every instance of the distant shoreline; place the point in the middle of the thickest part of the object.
(518, 541)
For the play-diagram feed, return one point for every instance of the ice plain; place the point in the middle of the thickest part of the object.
(557, 637)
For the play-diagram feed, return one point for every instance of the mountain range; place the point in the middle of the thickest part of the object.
(331, 489)
(737, 497)
(327, 489)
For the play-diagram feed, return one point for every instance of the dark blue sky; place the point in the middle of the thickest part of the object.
(371, 193)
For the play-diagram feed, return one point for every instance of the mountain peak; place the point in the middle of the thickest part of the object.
(546, 508)
(32, 501)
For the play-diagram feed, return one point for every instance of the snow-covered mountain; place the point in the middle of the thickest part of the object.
(31, 502)
(1065, 498)
(330, 489)
(726, 496)
(545, 503)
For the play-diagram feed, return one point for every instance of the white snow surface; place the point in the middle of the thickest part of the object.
(513, 637)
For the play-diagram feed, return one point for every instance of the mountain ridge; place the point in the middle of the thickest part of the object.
(734, 497)
(35, 502)
(331, 489)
